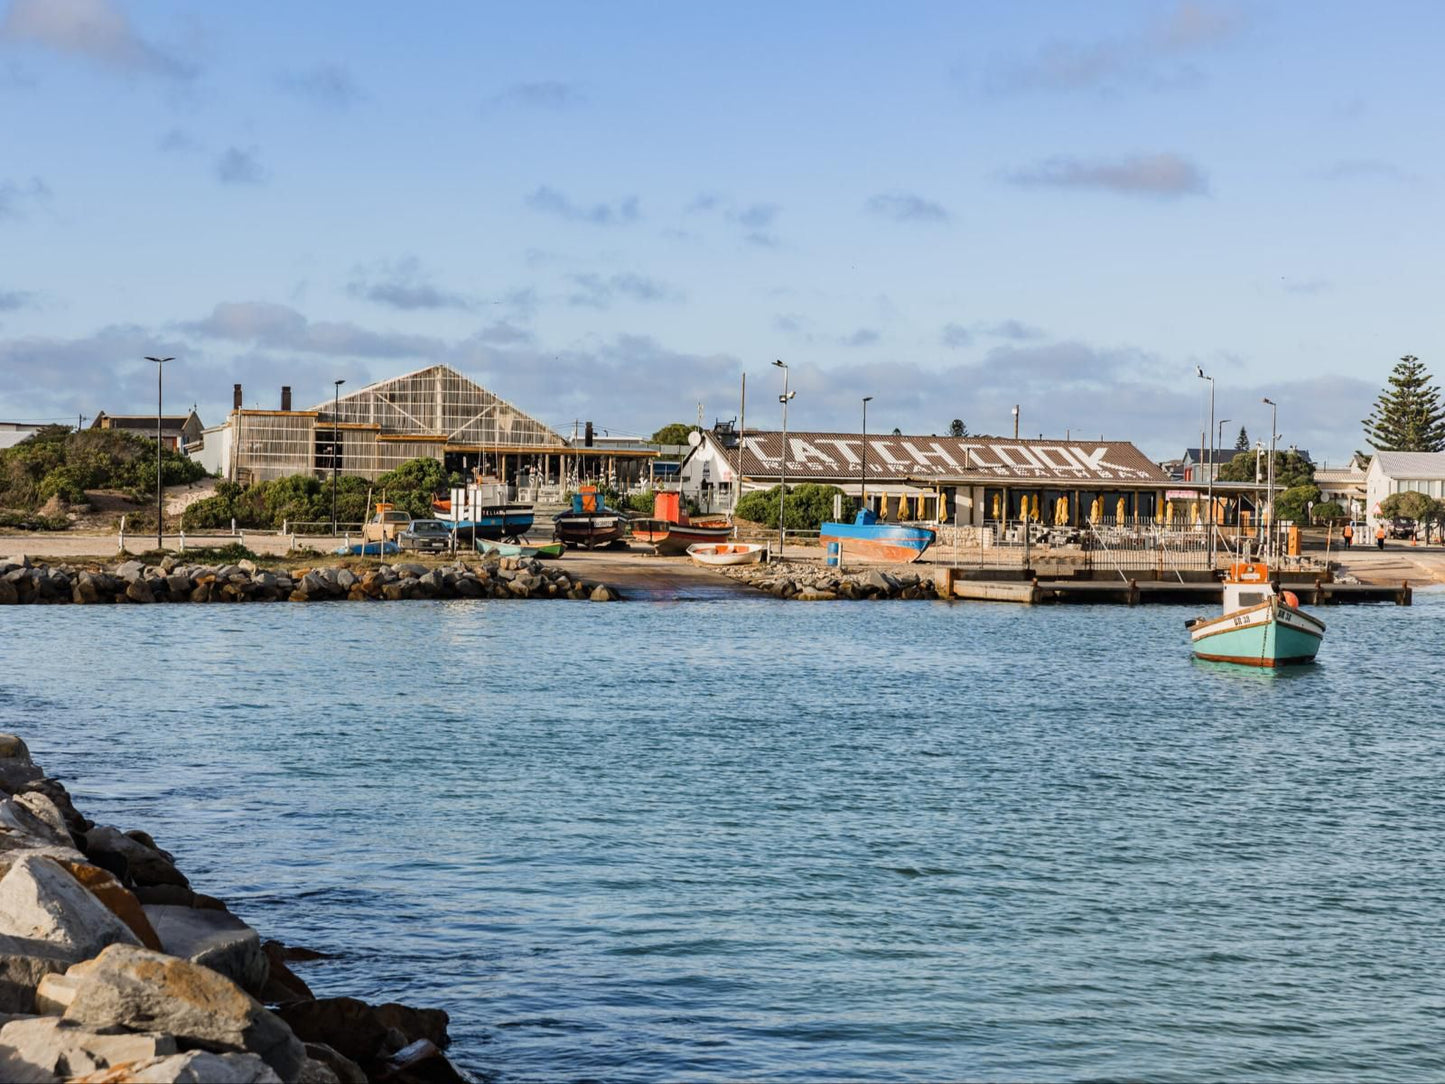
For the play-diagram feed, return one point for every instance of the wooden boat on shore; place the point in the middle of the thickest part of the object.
(590, 524)
(727, 553)
(549, 551)
(481, 508)
(670, 530)
(900, 543)
(1258, 626)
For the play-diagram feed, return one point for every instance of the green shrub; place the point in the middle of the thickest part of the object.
(808, 507)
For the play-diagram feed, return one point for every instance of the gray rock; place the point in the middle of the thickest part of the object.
(131, 571)
(19, 817)
(247, 566)
(139, 591)
(468, 587)
(105, 844)
(49, 813)
(313, 584)
(342, 1068)
(41, 901)
(202, 1067)
(411, 569)
(346, 579)
(602, 593)
(178, 586)
(149, 991)
(874, 580)
(16, 767)
(9, 596)
(215, 939)
(25, 964)
(43, 1048)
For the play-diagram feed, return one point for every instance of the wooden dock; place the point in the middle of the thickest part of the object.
(1169, 592)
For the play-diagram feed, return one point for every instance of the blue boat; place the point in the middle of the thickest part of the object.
(900, 543)
(495, 524)
(1258, 627)
(368, 549)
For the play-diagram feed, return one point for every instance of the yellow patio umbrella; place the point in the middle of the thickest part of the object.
(1194, 512)
(1096, 510)
(1061, 511)
(1119, 511)
(1034, 514)
(1168, 511)
(997, 504)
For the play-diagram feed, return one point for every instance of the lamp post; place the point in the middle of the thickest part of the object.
(1273, 434)
(783, 458)
(335, 446)
(160, 490)
(863, 490)
(1209, 519)
(1218, 437)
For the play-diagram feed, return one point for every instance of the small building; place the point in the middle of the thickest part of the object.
(1401, 472)
(974, 480)
(1345, 485)
(178, 431)
(12, 433)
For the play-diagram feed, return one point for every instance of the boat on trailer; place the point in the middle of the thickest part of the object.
(482, 507)
(901, 543)
(590, 524)
(1259, 626)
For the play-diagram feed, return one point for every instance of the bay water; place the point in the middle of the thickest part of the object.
(746, 839)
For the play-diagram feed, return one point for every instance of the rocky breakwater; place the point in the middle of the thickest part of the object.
(113, 968)
(814, 583)
(174, 580)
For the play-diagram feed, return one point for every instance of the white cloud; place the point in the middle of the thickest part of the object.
(1158, 175)
(96, 30)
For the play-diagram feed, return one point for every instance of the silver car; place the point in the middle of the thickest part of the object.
(426, 534)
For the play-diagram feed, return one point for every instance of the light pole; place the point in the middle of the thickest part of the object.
(160, 489)
(783, 458)
(1273, 434)
(1219, 436)
(335, 446)
(863, 490)
(1209, 519)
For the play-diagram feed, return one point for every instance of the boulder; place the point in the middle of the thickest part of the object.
(131, 571)
(139, 591)
(25, 965)
(143, 865)
(45, 809)
(16, 767)
(9, 595)
(127, 986)
(43, 1048)
(41, 901)
(343, 1068)
(410, 568)
(86, 589)
(193, 1067)
(215, 939)
(178, 587)
(18, 817)
(247, 566)
(874, 580)
(120, 901)
(602, 593)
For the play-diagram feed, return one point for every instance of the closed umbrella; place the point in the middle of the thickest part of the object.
(1119, 511)
(997, 505)
(1096, 510)
(1061, 511)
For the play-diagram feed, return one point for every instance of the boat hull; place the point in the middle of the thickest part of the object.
(672, 539)
(896, 542)
(733, 553)
(590, 530)
(495, 524)
(1271, 634)
(551, 550)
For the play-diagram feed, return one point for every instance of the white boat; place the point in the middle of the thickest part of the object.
(1258, 627)
(726, 553)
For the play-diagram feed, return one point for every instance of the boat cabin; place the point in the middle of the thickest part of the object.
(1247, 584)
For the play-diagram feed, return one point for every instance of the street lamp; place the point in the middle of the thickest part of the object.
(863, 490)
(335, 446)
(1273, 434)
(1209, 520)
(160, 490)
(783, 459)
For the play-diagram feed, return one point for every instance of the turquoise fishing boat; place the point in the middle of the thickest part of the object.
(866, 537)
(1258, 626)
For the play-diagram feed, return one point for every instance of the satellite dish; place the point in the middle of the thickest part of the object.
(694, 438)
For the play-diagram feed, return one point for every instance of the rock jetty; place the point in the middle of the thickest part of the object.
(174, 580)
(808, 582)
(114, 969)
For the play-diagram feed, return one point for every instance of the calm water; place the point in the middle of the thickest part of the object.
(747, 839)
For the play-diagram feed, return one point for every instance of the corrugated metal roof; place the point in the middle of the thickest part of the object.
(839, 457)
(1412, 464)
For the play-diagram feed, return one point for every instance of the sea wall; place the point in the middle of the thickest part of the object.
(810, 582)
(174, 580)
(114, 968)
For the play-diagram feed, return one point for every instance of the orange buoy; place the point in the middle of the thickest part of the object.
(1290, 599)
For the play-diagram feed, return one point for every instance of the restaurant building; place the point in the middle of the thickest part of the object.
(975, 480)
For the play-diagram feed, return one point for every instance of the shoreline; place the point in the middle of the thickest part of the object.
(113, 967)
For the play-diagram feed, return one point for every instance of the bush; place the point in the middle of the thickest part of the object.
(644, 502)
(57, 461)
(808, 507)
(1330, 512)
(1293, 503)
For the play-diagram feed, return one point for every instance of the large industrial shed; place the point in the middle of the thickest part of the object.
(433, 413)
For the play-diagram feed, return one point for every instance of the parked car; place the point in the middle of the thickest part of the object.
(1400, 527)
(426, 534)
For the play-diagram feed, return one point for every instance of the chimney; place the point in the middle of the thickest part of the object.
(285, 397)
(235, 396)
(587, 435)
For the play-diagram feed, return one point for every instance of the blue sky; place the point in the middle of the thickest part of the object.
(613, 211)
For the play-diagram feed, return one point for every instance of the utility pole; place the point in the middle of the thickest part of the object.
(160, 489)
(783, 460)
(335, 447)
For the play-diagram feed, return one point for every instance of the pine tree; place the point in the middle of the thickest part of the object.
(956, 428)
(1241, 443)
(1408, 415)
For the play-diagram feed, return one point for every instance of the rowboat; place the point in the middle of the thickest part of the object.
(726, 553)
(901, 543)
(1258, 626)
(368, 549)
(551, 550)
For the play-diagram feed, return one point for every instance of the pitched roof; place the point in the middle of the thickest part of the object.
(1411, 464)
(839, 457)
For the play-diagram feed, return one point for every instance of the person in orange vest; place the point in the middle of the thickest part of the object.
(1380, 537)
(1349, 535)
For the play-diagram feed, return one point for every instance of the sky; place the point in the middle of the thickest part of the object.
(613, 212)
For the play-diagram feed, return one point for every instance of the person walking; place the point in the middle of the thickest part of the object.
(1380, 537)
(1349, 535)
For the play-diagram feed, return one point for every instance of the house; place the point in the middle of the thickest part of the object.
(1401, 472)
(178, 431)
(1345, 485)
(12, 433)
